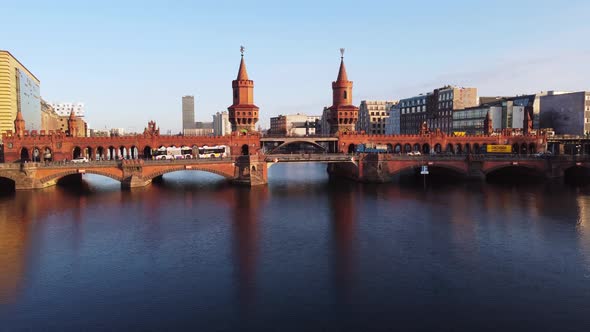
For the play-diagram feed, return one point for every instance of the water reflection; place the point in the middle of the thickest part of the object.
(299, 249)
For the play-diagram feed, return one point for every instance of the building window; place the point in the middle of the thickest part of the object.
(345, 95)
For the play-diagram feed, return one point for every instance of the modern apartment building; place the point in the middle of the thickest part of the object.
(188, 113)
(373, 116)
(19, 91)
(567, 113)
(221, 124)
(447, 100)
(64, 109)
(413, 112)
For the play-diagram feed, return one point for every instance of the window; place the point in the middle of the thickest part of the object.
(345, 95)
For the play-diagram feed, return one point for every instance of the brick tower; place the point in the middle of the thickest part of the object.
(343, 115)
(243, 114)
(72, 130)
(19, 124)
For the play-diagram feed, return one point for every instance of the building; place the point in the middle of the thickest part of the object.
(117, 131)
(188, 113)
(243, 114)
(373, 116)
(294, 125)
(221, 124)
(444, 102)
(64, 109)
(470, 121)
(413, 112)
(566, 114)
(392, 124)
(343, 114)
(324, 125)
(50, 120)
(99, 133)
(19, 91)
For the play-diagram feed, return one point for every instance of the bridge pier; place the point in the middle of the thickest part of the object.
(134, 181)
(251, 171)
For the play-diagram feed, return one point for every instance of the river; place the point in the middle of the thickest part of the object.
(303, 253)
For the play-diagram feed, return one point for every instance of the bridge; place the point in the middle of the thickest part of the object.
(252, 170)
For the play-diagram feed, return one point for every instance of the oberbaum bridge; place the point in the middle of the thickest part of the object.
(40, 159)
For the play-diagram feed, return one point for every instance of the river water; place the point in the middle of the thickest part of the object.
(302, 253)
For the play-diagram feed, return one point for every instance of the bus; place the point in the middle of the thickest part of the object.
(218, 151)
(371, 148)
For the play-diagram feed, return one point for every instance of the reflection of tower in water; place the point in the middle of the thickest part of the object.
(343, 213)
(245, 205)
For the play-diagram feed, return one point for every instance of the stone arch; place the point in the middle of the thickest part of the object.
(253, 168)
(437, 148)
(351, 148)
(407, 148)
(476, 149)
(182, 168)
(24, 154)
(532, 148)
(88, 153)
(148, 154)
(455, 169)
(458, 149)
(425, 148)
(112, 153)
(389, 148)
(58, 176)
(133, 152)
(76, 152)
(523, 148)
(515, 148)
(511, 165)
(450, 148)
(245, 150)
(467, 148)
(122, 152)
(309, 142)
(397, 148)
(417, 147)
(100, 153)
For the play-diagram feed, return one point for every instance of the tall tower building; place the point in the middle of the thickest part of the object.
(243, 114)
(343, 115)
(188, 112)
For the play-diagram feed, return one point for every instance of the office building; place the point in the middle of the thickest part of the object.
(413, 112)
(294, 125)
(373, 116)
(19, 91)
(444, 102)
(188, 113)
(64, 109)
(567, 113)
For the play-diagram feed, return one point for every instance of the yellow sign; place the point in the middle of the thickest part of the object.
(499, 148)
(458, 133)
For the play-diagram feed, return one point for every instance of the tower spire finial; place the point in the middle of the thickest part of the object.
(341, 53)
(242, 49)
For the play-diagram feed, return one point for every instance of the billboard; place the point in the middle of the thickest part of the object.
(496, 148)
(29, 100)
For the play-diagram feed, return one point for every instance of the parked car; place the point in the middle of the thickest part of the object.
(414, 153)
(164, 157)
(80, 160)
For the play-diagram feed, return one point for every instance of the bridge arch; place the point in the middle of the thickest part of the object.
(407, 148)
(417, 147)
(100, 153)
(476, 149)
(245, 150)
(519, 170)
(397, 148)
(458, 149)
(437, 148)
(467, 148)
(454, 169)
(206, 169)
(147, 152)
(425, 148)
(7, 184)
(450, 148)
(389, 148)
(57, 176)
(304, 142)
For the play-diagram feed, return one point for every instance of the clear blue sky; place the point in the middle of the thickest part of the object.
(132, 61)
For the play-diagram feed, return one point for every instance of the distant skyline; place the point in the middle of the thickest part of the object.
(132, 62)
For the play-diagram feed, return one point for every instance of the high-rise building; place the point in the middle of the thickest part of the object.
(445, 101)
(221, 124)
(567, 114)
(19, 91)
(188, 112)
(343, 114)
(373, 116)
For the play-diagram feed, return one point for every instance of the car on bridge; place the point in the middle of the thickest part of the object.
(414, 153)
(164, 157)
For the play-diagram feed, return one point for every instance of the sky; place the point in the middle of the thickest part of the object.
(132, 61)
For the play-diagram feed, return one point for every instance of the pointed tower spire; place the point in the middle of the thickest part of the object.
(72, 124)
(242, 73)
(342, 76)
(488, 127)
